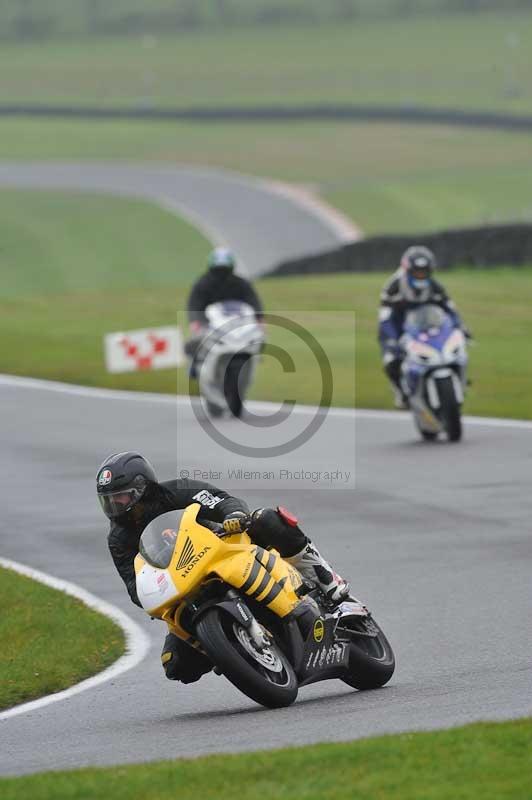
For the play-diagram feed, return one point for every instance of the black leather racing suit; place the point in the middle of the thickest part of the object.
(267, 530)
(215, 287)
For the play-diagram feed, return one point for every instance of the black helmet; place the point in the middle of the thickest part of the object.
(121, 481)
(418, 263)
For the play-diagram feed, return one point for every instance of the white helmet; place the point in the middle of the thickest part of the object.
(221, 259)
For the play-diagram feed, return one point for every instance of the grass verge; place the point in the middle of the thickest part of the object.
(67, 242)
(480, 61)
(83, 641)
(78, 267)
(59, 336)
(482, 760)
(387, 178)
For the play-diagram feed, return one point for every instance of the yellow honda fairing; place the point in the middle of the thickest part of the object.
(200, 555)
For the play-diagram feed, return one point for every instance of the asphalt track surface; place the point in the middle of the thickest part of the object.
(263, 222)
(434, 537)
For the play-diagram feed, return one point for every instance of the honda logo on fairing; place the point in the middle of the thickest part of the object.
(193, 561)
(187, 554)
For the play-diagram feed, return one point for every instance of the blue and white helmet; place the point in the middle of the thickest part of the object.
(418, 263)
(221, 258)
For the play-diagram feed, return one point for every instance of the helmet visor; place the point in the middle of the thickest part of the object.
(116, 503)
(420, 273)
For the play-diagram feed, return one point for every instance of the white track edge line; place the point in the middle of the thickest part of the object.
(257, 405)
(137, 642)
(337, 222)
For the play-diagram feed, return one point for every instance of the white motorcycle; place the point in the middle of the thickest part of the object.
(227, 356)
(433, 371)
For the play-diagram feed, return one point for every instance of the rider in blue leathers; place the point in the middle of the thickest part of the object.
(410, 286)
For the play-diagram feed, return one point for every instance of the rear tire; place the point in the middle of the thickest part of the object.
(273, 689)
(234, 379)
(213, 410)
(449, 409)
(371, 660)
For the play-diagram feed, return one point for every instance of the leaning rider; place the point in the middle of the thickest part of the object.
(131, 497)
(410, 286)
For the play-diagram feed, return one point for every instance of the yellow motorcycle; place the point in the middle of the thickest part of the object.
(251, 613)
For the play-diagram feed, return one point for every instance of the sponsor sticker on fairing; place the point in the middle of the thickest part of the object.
(319, 630)
(207, 499)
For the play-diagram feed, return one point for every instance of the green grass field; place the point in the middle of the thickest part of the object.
(386, 177)
(55, 242)
(491, 761)
(461, 60)
(49, 640)
(64, 294)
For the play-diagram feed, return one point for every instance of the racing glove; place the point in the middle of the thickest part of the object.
(237, 522)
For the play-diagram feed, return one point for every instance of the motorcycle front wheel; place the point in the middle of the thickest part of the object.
(371, 658)
(449, 409)
(266, 676)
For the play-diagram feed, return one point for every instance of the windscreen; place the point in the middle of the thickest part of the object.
(158, 539)
(228, 308)
(426, 317)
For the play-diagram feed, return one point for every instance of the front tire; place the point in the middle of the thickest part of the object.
(449, 409)
(268, 679)
(371, 658)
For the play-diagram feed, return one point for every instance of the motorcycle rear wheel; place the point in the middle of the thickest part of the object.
(221, 637)
(236, 379)
(213, 410)
(371, 658)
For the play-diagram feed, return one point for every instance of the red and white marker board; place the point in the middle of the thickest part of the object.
(151, 348)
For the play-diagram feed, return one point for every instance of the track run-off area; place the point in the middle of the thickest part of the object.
(434, 537)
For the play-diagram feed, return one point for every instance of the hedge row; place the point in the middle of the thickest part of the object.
(488, 246)
(40, 19)
(413, 115)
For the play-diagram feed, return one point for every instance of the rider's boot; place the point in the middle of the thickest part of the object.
(315, 570)
(181, 662)
(400, 399)
(392, 367)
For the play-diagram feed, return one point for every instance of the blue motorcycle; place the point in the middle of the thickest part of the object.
(433, 371)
